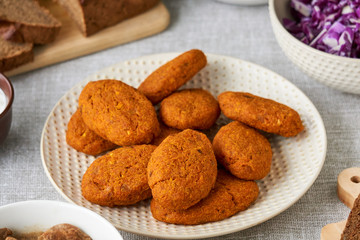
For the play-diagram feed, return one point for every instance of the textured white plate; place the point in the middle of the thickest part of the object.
(296, 161)
(245, 2)
(40, 215)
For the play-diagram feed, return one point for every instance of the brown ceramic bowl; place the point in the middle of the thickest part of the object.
(6, 115)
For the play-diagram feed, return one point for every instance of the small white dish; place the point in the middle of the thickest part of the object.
(40, 215)
(341, 73)
(245, 2)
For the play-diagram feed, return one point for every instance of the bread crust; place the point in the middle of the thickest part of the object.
(91, 16)
(261, 113)
(352, 227)
(29, 33)
(243, 151)
(22, 55)
(22, 27)
(229, 196)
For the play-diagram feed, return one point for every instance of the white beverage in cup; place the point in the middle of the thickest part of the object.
(3, 101)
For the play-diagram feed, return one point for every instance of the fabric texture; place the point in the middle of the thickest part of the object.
(238, 31)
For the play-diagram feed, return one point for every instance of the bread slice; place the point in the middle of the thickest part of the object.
(352, 228)
(27, 21)
(14, 54)
(92, 16)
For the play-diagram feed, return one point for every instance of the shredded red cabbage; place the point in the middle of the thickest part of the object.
(328, 25)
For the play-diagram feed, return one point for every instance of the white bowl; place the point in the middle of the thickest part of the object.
(341, 73)
(40, 215)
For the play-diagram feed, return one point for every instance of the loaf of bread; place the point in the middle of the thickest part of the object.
(14, 54)
(92, 16)
(27, 21)
(352, 228)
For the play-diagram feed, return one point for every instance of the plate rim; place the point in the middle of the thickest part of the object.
(205, 235)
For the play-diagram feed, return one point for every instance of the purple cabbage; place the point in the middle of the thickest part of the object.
(332, 26)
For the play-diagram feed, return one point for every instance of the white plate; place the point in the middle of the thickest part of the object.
(40, 215)
(245, 2)
(296, 163)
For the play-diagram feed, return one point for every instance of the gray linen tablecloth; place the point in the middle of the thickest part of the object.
(237, 31)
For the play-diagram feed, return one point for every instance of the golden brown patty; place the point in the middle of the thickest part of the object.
(260, 113)
(190, 108)
(64, 231)
(118, 112)
(80, 137)
(172, 75)
(165, 131)
(119, 177)
(243, 151)
(229, 196)
(182, 170)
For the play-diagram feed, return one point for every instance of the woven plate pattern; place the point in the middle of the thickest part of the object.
(341, 73)
(296, 162)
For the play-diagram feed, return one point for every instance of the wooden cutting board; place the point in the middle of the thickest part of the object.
(70, 43)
